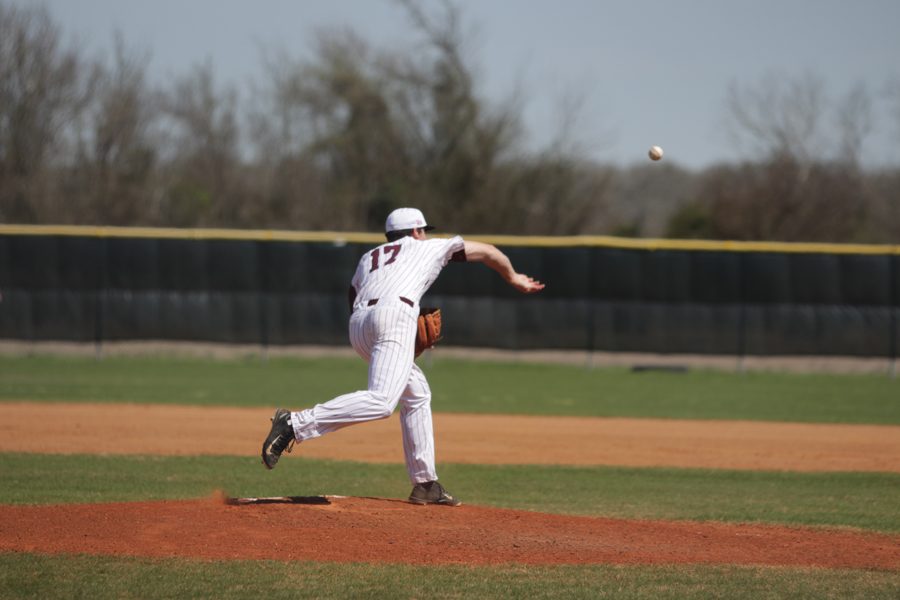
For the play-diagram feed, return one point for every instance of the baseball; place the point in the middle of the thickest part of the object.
(655, 153)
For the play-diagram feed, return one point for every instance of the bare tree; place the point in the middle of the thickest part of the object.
(806, 182)
(205, 183)
(328, 114)
(782, 199)
(373, 129)
(339, 138)
(779, 117)
(466, 139)
(116, 152)
(853, 123)
(41, 91)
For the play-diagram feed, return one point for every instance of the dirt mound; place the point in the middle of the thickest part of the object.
(392, 531)
(382, 530)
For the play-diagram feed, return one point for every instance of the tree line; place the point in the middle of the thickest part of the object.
(337, 138)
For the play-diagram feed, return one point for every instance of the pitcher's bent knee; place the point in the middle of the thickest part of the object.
(381, 407)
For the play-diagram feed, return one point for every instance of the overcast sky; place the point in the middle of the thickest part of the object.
(648, 71)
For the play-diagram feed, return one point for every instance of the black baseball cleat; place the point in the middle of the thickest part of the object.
(431, 492)
(280, 438)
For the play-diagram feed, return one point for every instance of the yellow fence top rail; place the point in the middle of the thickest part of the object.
(339, 237)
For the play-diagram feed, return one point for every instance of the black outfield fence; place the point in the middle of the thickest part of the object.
(605, 294)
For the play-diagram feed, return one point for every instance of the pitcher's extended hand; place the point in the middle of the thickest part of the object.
(525, 284)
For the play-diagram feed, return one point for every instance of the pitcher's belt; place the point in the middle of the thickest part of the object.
(374, 301)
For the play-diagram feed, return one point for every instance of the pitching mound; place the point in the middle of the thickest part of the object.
(379, 530)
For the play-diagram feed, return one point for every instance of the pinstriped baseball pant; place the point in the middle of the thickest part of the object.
(383, 335)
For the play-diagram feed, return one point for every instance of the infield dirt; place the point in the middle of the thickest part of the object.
(461, 438)
(392, 531)
(385, 530)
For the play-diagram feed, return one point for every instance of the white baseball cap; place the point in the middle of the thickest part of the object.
(406, 218)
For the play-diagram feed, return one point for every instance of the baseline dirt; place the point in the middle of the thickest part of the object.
(392, 531)
(472, 439)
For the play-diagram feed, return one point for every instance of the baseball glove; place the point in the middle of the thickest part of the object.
(429, 329)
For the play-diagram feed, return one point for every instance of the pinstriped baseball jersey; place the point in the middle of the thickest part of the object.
(396, 274)
(403, 268)
(384, 297)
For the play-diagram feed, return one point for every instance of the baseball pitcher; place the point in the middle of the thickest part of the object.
(385, 326)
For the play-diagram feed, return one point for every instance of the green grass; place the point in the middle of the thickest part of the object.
(461, 386)
(35, 576)
(863, 500)
(869, 501)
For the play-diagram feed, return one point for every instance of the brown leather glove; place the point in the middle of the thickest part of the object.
(429, 329)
